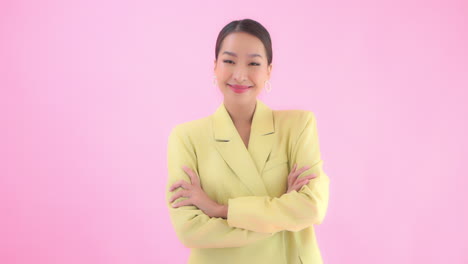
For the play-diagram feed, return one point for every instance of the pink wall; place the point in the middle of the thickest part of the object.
(89, 91)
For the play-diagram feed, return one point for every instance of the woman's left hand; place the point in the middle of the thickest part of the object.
(195, 194)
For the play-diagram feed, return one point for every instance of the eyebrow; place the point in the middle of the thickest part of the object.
(235, 55)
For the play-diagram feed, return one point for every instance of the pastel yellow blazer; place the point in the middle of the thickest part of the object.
(264, 225)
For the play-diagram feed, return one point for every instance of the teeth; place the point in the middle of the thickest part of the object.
(240, 88)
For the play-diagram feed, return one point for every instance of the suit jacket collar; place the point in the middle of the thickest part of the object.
(262, 122)
(247, 164)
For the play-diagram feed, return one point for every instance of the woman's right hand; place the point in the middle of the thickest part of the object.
(296, 184)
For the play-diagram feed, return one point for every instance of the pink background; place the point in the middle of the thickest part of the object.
(89, 91)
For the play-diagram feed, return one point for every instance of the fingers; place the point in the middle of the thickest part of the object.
(193, 179)
(183, 203)
(178, 184)
(193, 176)
(309, 177)
(305, 180)
(178, 195)
(299, 185)
(294, 174)
(293, 181)
(290, 178)
(301, 182)
(301, 170)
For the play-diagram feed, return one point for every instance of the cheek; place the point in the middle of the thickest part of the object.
(257, 78)
(257, 73)
(224, 73)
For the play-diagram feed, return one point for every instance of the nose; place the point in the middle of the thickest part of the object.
(240, 74)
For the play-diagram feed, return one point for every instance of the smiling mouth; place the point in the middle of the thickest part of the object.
(239, 86)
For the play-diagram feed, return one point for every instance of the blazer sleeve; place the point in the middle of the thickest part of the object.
(292, 211)
(193, 227)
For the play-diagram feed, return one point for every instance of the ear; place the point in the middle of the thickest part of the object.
(214, 65)
(270, 67)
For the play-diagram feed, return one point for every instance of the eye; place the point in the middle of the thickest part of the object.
(231, 62)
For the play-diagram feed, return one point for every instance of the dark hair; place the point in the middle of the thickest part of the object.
(248, 26)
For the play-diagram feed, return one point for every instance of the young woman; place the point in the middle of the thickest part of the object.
(246, 184)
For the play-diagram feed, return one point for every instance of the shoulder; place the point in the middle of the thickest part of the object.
(191, 128)
(293, 119)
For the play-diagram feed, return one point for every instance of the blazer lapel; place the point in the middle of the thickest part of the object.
(247, 164)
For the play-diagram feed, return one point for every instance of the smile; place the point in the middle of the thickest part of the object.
(239, 88)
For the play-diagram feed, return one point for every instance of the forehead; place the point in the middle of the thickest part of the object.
(242, 43)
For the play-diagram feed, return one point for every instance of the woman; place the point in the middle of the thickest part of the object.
(235, 192)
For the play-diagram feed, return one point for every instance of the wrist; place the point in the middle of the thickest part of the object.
(223, 211)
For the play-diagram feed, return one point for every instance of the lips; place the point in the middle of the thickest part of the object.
(239, 88)
(236, 86)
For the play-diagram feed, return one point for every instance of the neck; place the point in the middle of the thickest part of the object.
(241, 113)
